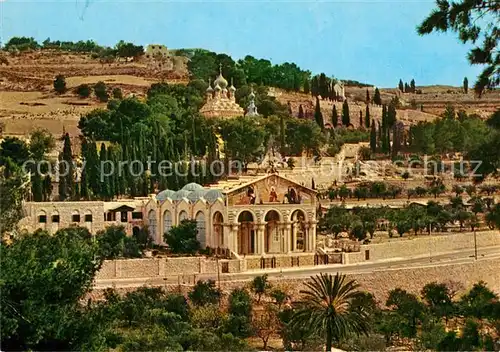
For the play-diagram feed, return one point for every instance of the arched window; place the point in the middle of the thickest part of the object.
(183, 215)
(167, 221)
(152, 224)
(200, 228)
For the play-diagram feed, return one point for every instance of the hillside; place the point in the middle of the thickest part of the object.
(28, 101)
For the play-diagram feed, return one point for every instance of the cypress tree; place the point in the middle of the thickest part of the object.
(307, 87)
(84, 184)
(66, 170)
(396, 140)
(373, 138)
(104, 181)
(400, 86)
(391, 115)
(346, 119)
(63, 188)
(377, 100)
(379, 137)
(407, 88)
(335, 116)
(314, 86)
(47, 188)
(360, 119)
(323, 86)
(318, 116)
(301, 112)
(383, 139)
(367, 97)
(466, 85)
(412, 86)
(37, 187)
(367, 116)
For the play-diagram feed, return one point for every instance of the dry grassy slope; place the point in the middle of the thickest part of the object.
(27, 99)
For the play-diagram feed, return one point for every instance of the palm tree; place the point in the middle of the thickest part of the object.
(332, 306)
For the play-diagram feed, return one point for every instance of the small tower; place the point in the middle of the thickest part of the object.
(232, 90)
(210, 91)
(252, 109)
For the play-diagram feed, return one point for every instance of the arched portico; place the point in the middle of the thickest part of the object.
(273, 238)
(246, 233)
(299, 230)
(218, 229)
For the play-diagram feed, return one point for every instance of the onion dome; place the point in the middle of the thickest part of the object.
(209, 89)
(217, 88)
(231, 88)
(252, 94)
(221, 81)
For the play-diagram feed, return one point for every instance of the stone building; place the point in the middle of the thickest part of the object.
(339, 90)
(156, 50)
(267, 215)
(248, 216)
(220, 100)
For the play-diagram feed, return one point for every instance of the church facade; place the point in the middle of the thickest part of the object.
(267, 215)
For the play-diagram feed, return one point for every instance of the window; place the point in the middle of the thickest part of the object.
(111, 216)
(124, 216)
(167, 221)
(137, 215)
(200, 228)
(75, 218)
(88, 218)
(55, 218)
(42, 219)
(152, 223)
(183, 215)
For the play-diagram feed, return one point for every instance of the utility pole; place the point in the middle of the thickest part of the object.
(475, 244)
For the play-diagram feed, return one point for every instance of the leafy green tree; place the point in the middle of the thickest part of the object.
(204, 293)
(43, 279)
(60, 84)
(260, 285)
(240, 313)
(117, 93)
(493, 217)
(346, 118)
(114, 243)
(480, 302)
(439, 299)
(14, 149)
(377, 100)
(127, 50)
(83, 90)
(408, 308)
(101, 91)
(182, 238)
(318, 116)
(328, 306)
(303, 136)
(481, 17)
(13, 188)
(21, 44)
(307, 88)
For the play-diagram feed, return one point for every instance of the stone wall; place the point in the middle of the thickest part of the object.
(379, 283)
(424, 245)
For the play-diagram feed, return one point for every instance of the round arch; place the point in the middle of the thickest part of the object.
(246, 232)
(218, 228)
(152, 224)
(273, 239)
(201, 228)
(167, 221)
(298, 218)
(183, 215)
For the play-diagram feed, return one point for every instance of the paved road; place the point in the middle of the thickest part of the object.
(456, 257)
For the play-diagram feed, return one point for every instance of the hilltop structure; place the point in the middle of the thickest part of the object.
(220, 100)
(252, 108)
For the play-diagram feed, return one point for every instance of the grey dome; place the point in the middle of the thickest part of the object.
(212, 195)
(192, 187)
(163, 195)
(196, 195)
(180, 194)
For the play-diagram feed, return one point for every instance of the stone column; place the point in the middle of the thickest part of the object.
(234, 237)
(293, 228)
(287, 231)
(313, 235)
(260, 249)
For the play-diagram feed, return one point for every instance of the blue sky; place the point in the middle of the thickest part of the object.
(370, 41)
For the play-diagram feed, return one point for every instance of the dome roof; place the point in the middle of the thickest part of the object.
(209, 89)
(192, 187)
(221, 81)
(232, 89)
(217, 87)
(180, 194)
(252, 95)
(163, 195)
(212, 195)
(196, 195)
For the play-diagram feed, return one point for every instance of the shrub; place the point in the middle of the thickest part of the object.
(100, 91)
(83, 90)
(182, 238)
(117, 93)
(60, 84)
